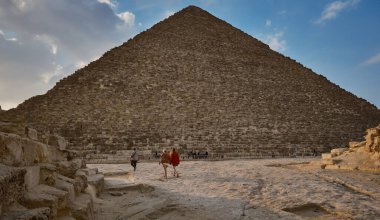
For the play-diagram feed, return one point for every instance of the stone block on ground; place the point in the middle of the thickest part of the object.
(34, 200)
(77, 185)
(355, 144)
(88, 171)
(12, 185)
(29, 214)
(60, 194)
(47, 174)
(58, 141)
(32, 176)
(326, 156)
(97, 181)
(327, 159)
(82, 208)
(31, 133)
(82, 180)
(40, 214)
(338, 151)
(376, 144)
(69, 168)
(66, 186)
(372, 133)
(45, 196)
(20, 151)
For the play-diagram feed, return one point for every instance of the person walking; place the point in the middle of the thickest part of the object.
(165, 161)
(134, 159)
(174, 159)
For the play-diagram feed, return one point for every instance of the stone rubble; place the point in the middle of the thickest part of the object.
(363, 155)
(39, 181)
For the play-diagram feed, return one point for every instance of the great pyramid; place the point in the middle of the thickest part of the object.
(196, 82)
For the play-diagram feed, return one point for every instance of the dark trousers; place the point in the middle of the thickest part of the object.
(134, 164)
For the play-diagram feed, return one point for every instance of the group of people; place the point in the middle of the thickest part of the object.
(166, 159)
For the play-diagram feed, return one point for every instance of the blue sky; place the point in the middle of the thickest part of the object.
(42, 41)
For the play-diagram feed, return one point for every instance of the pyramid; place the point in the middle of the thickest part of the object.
(195, 82)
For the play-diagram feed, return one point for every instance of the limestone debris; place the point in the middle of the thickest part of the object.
(38, 181)
(363, 155)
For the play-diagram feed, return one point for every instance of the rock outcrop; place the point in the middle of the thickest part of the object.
(38, 181)
(363, 155)
(196, 82)
(12, 185)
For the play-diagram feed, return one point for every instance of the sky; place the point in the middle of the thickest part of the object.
(42, 41)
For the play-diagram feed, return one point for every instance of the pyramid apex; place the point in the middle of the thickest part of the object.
(192, 9)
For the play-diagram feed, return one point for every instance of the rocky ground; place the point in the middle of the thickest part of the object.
(238, 189)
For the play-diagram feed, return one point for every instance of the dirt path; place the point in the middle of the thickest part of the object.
(238, 189)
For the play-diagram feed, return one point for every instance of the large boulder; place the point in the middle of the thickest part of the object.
(33, 199)
(69, 168)
(28, 214)
(20, 151)
(60, 194)
(47, 173)
(67, 186)
(372, 139)
(82, 208)
(31, 133)
(58, 141)
(46, 196)
(338, 151)
(12, 185)
(39, 213)
(78, 185)
(82, 180)
(32, 176)
(96, 182)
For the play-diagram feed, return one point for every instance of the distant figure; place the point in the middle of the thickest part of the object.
(156, 154)
(314, 152)
(165, 161)
(174, 159)
(206, 154)
(134, 159)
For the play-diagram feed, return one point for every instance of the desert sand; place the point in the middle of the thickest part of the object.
(238, 189)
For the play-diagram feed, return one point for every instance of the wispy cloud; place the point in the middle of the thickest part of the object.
(48, 76)
(274, 38)
(276, 41)
(111, 3)
(168, 13)
(2, 35)
(128, 18)
(268, 23)
(49, 41)
(372, 60)
(333, 9)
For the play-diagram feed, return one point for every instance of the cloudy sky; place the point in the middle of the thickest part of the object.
(42, 41)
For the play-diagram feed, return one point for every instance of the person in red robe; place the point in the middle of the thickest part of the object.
(174, 160)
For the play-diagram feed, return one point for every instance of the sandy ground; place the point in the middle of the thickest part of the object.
(238, 189)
